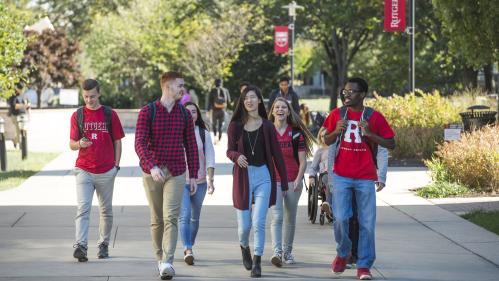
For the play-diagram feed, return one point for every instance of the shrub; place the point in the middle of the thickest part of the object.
(443, 189)
(425, 110)
(416, 142)
(438, 170)
(472, 161)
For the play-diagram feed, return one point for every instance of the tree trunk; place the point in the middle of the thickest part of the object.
(38, 100)
(470, 77)
(333, 103)
(487, 71)
(339, 64)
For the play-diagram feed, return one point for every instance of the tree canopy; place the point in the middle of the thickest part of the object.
(12, 45)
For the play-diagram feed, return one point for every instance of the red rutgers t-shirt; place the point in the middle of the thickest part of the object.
(286, 143)
(99, 157)
(354, 159)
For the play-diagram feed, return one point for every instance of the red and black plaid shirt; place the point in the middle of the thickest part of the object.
(165, 144)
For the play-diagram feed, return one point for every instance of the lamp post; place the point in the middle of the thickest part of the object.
(292, 14)
(3, 151)
(22, 120)
(410, 31)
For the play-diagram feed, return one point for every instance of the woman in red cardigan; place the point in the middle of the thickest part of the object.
(253, 147)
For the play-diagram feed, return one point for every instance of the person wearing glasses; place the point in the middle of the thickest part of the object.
(354, 172)
(254, 150)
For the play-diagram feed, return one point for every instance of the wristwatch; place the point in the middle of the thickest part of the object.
(117, 167)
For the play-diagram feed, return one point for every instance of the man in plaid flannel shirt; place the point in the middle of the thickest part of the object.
(163, 141)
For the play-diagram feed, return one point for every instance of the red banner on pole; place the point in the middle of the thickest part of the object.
(395, 15)
(281, 42)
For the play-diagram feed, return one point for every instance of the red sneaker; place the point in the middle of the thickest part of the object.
(364, 274)
(339, 264)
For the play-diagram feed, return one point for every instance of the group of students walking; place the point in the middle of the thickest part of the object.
(269, 152)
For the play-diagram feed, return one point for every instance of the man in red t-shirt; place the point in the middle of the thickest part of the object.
(99, 153)
(355, 172)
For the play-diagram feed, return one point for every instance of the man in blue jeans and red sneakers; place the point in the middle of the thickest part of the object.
(354, 172)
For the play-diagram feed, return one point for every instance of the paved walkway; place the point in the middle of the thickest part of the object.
(416, 240)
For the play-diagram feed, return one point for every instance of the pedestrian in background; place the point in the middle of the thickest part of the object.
(218, 100)
(285, 91)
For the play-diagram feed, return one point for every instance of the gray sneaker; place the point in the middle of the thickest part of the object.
(80, 253)
(103, 251)
(288, 258)
(276, 260)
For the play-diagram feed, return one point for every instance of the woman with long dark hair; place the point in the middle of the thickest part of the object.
(296, 143)
(253, 147)
(191, 204)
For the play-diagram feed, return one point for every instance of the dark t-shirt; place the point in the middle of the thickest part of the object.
(254, 147)
(13, 100)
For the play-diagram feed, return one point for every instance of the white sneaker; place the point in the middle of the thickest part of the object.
(288, 258)
(166, 271)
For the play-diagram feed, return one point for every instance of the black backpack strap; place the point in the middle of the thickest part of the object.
(152, 116)
(79, 121)
(295, 140)
(202, 134)
(343, 116)
(108, 115)
(367, 113)
(184, 113)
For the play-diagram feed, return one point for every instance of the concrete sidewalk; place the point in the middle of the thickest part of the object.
(416, 240)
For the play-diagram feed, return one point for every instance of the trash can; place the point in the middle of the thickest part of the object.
(477, 117)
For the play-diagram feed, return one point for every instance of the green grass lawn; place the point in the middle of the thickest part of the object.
(318, 104)
(18, 170)
(487, 220)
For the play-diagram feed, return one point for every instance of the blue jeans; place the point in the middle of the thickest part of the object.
(365, 195)
(189, 214)
(259, 184)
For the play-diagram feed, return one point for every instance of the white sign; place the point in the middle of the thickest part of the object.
(68, 97)
(281, 38)
(452, 134)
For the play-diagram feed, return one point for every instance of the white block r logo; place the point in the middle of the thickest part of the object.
(352, 128)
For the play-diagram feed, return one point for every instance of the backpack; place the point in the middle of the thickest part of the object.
(317, 122)
(366, 115)
(183, 110)
(108, 116)
(220, 102)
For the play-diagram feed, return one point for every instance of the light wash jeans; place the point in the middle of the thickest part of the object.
(260, 185)
(365, 195)
(190, 213)
(103, 185)
(285, 207)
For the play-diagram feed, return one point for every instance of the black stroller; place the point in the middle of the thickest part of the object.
(317, 121)
(315, 193)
